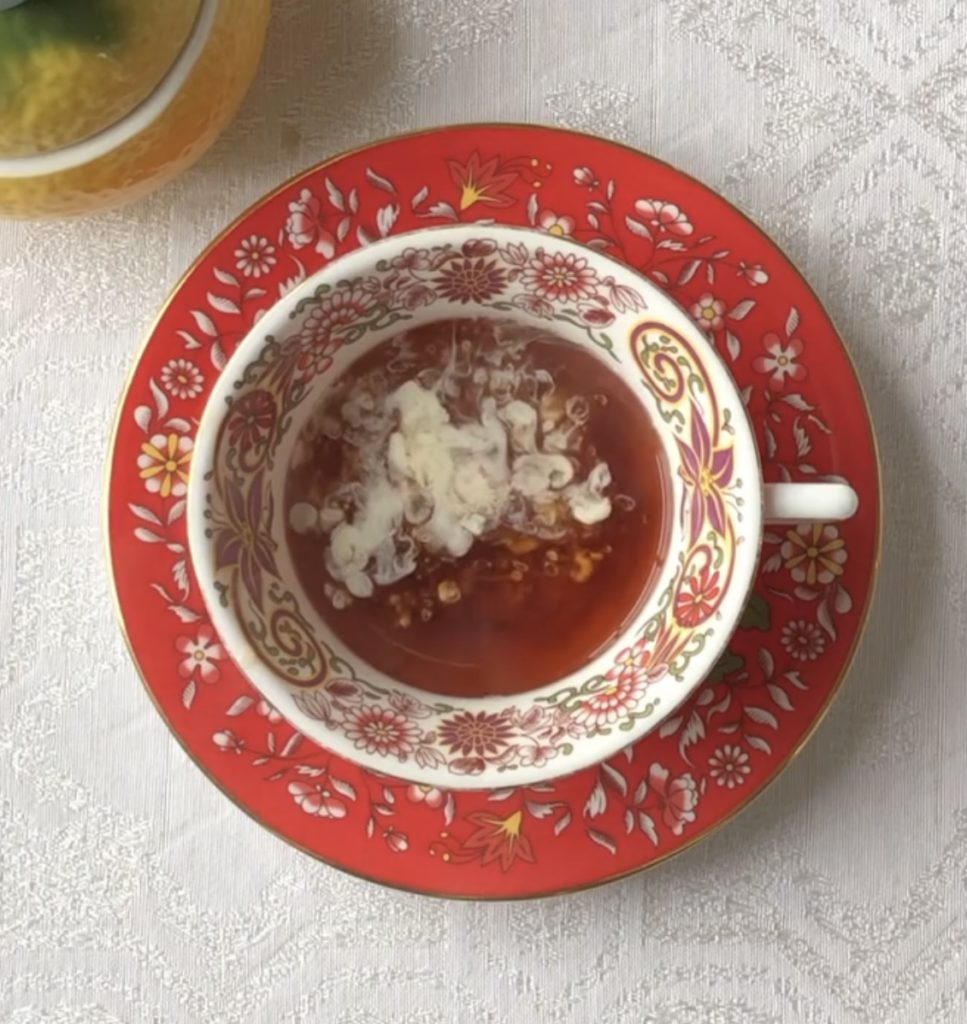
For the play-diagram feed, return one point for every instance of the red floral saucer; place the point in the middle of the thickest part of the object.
(760, 703)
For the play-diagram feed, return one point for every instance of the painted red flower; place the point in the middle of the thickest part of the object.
(418, 295)
(562, 725)
(709, 312)
(754, 274)
(411, 259)
(483, 181)
(627, 663)
(561, 277)
(780, 361)
(429, 795)
(200, 653)
(243, 540)
(595, 315)
(498, 839)
(304, 225)
(537, 754)
(397, 841)
(427, 756)
(584, 178)
(555, 224)
(382, 731)
(661, 216)
(470, 280)
(316, 357)
(317, 800)
(695, 602)
(251, 420)
(708, 471)
(474, 248)
(609, 706)
(623, 297)
(475, 732)
(335, 311)
(515, 253)
(410, 706)
(676, 797)
(534, 305)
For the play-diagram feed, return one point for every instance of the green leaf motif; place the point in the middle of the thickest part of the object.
(757, 614)
(729, 662)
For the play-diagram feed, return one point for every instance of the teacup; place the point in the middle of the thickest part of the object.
(717, 505)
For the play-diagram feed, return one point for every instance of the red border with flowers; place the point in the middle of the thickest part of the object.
(391, 728)
(797, 634)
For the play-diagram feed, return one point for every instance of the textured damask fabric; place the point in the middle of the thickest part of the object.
(132, 891)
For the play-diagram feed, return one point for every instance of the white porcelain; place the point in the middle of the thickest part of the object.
(281, 370)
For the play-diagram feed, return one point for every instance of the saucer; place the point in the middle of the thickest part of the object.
(761, 701)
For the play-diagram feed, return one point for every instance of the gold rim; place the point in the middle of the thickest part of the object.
(615, 876)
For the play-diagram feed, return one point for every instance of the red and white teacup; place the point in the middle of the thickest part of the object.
(717, 505)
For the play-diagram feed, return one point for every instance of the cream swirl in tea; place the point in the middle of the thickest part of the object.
(477, 507)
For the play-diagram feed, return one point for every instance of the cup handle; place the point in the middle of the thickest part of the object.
(809, 503)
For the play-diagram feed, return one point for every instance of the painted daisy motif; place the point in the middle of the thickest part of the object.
(476, 733)
(560, 277)
(695, 602)
(814, 553)
(471, 280)
(382, 731)
(729, 766)
(255, 256)
(182, 379)
(163, 464)
(804, 641)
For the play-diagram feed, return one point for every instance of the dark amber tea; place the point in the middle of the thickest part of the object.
(478, 507)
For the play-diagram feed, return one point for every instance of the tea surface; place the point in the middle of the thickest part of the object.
(477, 507)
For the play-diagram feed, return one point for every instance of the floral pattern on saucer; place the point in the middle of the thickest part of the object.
(765, 695)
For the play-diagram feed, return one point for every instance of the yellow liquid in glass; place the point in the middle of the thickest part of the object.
(68, 69)
(184, 130)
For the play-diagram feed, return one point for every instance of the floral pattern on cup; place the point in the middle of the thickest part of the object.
(384, 723)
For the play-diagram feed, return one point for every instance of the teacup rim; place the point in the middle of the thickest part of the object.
(342, 269)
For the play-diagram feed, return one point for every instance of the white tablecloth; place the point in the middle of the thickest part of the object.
(840, 895)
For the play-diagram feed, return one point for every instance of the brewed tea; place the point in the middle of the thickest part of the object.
(477, 507)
